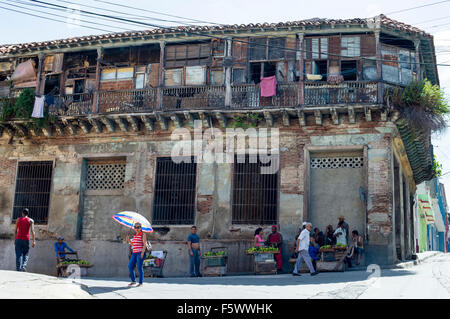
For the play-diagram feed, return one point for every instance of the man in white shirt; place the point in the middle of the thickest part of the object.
(302, 250)
(340, 234)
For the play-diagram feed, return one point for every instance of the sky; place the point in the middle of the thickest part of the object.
(434, 19)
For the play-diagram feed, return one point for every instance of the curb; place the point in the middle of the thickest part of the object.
(412, 263)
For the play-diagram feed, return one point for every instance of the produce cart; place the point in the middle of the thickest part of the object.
(154, 264)
(331, 259)
(264, 261)
(63, 263)
(215, 261)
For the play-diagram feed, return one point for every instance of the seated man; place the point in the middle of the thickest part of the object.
(349, 255)
(314, 251)
(60, 249)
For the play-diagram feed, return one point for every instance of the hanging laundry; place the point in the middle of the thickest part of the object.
(269, 86)
(50, 99)
(38, 109)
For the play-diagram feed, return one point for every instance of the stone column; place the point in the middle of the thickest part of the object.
(41, 57)
(162, 52)
(96, 97)
(379, 64)
(402, 213)
(301, 83)
(228, 56)
(418, 68)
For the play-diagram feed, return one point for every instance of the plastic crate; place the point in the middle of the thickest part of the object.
(215, 261)
(263, 257)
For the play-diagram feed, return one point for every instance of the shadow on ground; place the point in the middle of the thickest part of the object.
(103, 285)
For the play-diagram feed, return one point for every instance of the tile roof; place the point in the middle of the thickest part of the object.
(315, 22)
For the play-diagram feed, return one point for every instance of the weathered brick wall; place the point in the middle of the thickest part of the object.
(213, 201)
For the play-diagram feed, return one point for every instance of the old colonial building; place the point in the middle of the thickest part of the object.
(114, 101)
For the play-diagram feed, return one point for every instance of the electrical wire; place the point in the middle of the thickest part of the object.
(37, 16)
(214, 37)
(422, 6)
(57, 15)
(197, 33)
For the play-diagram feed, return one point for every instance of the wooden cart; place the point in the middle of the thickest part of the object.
(215, 265)
(331, 259)
(264, 262)
(61, 269)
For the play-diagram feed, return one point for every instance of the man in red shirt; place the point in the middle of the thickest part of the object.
(22, 235)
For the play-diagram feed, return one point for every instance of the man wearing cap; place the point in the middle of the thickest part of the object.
(303, 251)
(344, 225)
(60, 248)
(22, 243)
(276, 240)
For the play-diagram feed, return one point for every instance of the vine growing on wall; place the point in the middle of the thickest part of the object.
(247, 121)
(22, 108)
(437, 167)
(421, 104)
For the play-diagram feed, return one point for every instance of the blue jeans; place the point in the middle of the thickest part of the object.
(22, 249)
(136, 259)
(194, 262)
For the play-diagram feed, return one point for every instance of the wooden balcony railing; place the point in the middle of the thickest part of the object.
(193, 97)
(243, 96)
(72, 104)
(248, 96)
(128, 101)
(322, 93)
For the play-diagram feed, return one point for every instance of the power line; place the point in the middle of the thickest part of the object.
(432, 20)
(65, 10)
(57, 15)
(422, 6)
(134, 16)
(34, 15)
(214, 37)
(156, 12)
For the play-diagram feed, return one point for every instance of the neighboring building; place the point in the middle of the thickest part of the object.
(116, 99)
(432, 215)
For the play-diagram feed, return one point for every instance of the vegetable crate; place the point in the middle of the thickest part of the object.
(263, 257)
(215, 261)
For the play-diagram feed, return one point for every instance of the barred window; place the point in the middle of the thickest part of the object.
(33, 185)
(255, 195)
(174, 196)
(105, 174)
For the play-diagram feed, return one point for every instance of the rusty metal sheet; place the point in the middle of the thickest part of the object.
(25, 72)
(195, 75)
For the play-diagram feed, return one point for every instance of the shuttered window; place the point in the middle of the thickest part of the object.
(33, 185)
(174, 196)
(255, 195)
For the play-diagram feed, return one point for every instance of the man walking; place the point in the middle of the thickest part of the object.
(303, 251)
(22, 243)
(193, 242)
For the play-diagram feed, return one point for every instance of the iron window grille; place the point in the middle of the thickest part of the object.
(255, 195)
(105, 175)
(174, 195)
(33, 186)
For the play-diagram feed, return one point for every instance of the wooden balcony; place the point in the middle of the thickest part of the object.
(211, 97)
(322, 93)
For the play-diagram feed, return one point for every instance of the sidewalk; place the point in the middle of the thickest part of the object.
(15, 284)
(421, 257)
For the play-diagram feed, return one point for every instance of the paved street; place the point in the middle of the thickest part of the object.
(428, 280)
